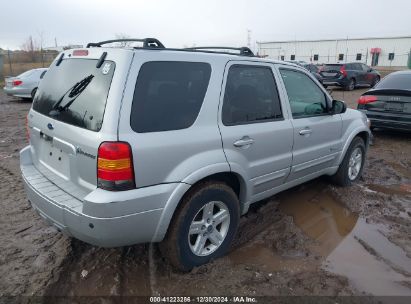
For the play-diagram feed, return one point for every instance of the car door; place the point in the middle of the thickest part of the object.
(368, 74)
(256, 132)
(317, 133)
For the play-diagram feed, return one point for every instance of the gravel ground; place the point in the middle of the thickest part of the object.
(315, 239)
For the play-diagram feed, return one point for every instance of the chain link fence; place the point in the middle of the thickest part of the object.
(14, 63)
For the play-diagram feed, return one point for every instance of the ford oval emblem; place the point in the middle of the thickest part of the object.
(50, 126)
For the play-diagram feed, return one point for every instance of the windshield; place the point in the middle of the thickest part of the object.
(75, 92)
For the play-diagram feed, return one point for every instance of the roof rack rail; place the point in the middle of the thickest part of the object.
(147, 42)
(244, 51)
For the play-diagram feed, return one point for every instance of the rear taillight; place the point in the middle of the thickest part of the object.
(16, 83)
(115, 166)
(366, 99)
(343, 71)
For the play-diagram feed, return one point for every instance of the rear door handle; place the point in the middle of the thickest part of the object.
(306, 131)
(245, 141)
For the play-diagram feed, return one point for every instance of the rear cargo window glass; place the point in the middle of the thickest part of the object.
(168, 95)
(75, 92)
(400, 81)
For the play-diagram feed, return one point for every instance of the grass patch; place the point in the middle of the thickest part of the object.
(21, 67)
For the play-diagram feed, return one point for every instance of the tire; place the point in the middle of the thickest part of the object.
(351, 85)
(33, 93)
(343, 176)
(179, 246)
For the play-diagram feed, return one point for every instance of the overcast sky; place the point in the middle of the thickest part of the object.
(181, 23)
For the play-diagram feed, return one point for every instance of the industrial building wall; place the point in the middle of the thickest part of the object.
(329, 51)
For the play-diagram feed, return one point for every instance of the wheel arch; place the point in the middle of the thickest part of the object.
(232, 179)
(363, 134)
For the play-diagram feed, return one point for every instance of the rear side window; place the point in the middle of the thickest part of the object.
(75, 92)
(250, 96)
(168, 95)
(332, 67)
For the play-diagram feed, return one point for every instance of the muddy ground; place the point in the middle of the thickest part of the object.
(315, 239)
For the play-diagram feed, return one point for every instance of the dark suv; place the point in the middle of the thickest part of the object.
(349, 75)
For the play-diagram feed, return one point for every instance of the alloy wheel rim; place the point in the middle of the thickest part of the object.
(354, 165)
(209, 228)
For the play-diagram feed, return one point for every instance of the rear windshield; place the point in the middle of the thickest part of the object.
(25, 74)
(331, 67)
(75, 92)
(399, 81)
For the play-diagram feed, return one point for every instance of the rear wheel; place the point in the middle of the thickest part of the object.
(33, 93)
(351, 168)
(203, 227)
(351, 85)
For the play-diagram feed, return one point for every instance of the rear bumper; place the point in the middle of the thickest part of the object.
(389, 120)
(102, 218)
(17, 92)
(335, 82)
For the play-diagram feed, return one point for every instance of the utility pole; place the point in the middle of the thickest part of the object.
(249, 38)
(366, 57)
(8, 55)
(55, 41)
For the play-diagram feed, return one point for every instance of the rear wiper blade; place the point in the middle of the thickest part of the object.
(73, 93)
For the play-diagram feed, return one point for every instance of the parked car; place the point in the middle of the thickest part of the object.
(315, 70)
(388, 104)
(24, 85)
(134, 145)
(349, 75)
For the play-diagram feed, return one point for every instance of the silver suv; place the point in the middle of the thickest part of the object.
(149, 144)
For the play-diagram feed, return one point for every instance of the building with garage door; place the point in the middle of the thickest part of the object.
(383, 51)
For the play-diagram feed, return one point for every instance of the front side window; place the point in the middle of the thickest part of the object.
(168, 95)
(305, 97)
(250, 96)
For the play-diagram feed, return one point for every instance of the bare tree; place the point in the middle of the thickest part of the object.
(30, 46)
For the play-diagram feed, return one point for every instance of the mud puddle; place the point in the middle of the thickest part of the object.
(343, 243)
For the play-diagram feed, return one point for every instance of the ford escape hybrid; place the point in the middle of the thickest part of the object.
(149, 144)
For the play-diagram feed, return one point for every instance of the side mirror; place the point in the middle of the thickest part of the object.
(338, 107)
(370, 70)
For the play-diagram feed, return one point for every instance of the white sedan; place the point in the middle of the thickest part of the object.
(24, 85)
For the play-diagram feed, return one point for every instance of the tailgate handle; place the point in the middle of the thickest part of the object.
(46, 137)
